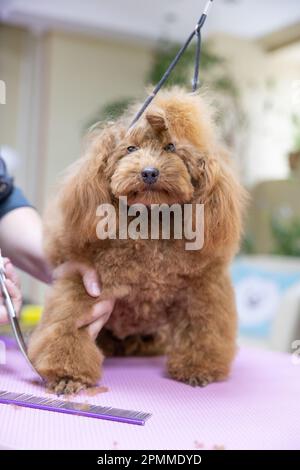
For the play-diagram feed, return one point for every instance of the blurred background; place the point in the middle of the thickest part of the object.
(66, 64)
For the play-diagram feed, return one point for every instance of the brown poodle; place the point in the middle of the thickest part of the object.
(168, 298)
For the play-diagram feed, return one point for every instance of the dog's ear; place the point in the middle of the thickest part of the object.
(85, 187)
(224, 200)
(157, 120)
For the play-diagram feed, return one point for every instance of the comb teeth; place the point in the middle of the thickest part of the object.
(81, 409)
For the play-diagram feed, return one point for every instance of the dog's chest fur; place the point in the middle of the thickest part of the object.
(147, 277)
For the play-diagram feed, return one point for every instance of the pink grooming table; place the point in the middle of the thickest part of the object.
(258, 408)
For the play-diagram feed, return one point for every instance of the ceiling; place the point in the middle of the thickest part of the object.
(152, 19)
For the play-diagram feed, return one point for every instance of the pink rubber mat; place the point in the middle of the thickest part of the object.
(258, 408)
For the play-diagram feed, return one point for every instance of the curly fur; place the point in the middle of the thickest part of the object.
(168, 298)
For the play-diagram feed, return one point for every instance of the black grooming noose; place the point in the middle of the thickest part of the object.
(195, 82)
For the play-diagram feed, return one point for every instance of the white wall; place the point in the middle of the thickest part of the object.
(266, 84)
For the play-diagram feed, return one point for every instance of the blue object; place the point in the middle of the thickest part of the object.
(258, 295)
(15, 200)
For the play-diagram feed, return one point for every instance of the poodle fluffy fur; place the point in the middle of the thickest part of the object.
(168, 299)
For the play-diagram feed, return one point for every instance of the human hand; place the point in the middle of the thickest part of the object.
(12, 283)
(100, 313)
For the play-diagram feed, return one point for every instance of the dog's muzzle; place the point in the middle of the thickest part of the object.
(150, 175)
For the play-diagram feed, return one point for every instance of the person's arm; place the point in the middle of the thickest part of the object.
(20, 229)
(21, 241)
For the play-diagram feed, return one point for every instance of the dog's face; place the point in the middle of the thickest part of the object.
(152, 166)
(159, 161)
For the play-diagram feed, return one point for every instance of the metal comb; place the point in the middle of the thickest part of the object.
(79, 409)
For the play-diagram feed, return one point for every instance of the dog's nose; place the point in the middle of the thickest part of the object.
(150, 175)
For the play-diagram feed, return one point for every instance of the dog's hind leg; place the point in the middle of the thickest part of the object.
(64, 355)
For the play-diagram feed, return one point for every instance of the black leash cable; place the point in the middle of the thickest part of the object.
(164, 78)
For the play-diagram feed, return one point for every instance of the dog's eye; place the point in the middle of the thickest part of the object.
(131, 148)
(170, 147)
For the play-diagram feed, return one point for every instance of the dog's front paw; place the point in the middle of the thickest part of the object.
(190, 377)
(68, 363)
(194, 375)
(66, 386)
